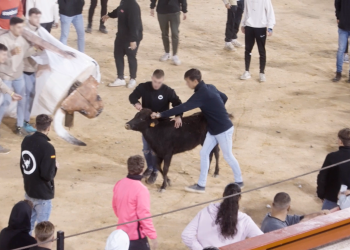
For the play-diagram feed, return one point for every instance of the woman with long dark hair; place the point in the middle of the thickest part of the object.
(220, 224)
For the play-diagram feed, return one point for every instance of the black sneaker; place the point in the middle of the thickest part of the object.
(152, 179)
(147, 173)
(89, 28)
(337, 77)
(103, 29)
(240, 184)
(195, 189)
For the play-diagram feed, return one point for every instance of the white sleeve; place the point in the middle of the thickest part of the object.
(189, 235)
(270, 14)
(29, 5)
(252, 229)
(225, 1)
(245, 17)
(56, 16)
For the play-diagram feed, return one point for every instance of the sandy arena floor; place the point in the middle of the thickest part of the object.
(283, 127)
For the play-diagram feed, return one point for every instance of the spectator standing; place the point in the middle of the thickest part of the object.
(9, 9)
(12, 71)
(4, 89)
(220, 128)
(342, 12)
(258, 22)
(131, 201)
(71, 13)
(220, 224)
(44, 231)
(17, 235)
(169, 15)
(330, 180)
(92, 8)
(279, 217)
(128, 39)
(234, 16)
(118, 240)
(38, 166)
(157, 97)
(49, 12)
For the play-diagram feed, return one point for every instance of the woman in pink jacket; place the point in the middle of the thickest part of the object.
(220, 224)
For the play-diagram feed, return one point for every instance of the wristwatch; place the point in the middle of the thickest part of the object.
(158, 115)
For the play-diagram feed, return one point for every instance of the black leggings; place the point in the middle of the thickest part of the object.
(252, 35)
(141, 244)
(93, 6)
(121, 48)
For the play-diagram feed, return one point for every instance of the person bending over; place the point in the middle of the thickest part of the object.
(220, 128)
(220, 224)
(279, 217)
(44, 231)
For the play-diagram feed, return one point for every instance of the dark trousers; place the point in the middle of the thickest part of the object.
(47, 26)
(92, 9)
(230, 23)
(141, 244)
(121, 48)
(238, 18)
(252, 35)
(171, 20)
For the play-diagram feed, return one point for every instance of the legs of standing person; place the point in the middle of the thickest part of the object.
(30, 93)
(19, 88)
(225, 141)
(78, 22)
(208, 145)
(6, 101)
(92, 8)
(174, 27)
(65, 27)
(47, 26)
(238, 18)
(150, 157)
(249, 44)
(229, 32)
(103, 12)
(132, 60)
(164, 27)
(328, 205)
(342, 43)
(260, 37)
(119, 53)
(41, 210)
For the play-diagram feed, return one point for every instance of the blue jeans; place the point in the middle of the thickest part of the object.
(225, 141)
(30, 93)
(41, 211)
(328, 205)
(19, 87)
(342, 43)
(150, 156)
(78, 23)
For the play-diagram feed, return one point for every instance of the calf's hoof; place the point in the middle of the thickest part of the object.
(152, 178)
(162, 190)
(169, 182)
(215, 175)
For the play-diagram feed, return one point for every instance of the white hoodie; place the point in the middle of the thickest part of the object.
(259, 14)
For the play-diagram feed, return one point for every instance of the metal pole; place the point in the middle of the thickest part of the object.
(60, 240)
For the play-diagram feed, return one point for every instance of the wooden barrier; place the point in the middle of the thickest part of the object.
(317, 232)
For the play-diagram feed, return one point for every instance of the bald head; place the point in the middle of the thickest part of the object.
(281, 201)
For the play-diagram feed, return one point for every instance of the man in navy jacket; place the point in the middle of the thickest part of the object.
(220, 128)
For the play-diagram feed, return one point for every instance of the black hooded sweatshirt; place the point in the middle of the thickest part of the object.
(342, 12)
(16, 235)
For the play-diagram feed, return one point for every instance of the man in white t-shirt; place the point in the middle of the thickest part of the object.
(49, 10)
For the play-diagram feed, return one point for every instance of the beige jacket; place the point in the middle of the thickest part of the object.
(13, 68)
(4, 89)
(30, 65)
(231, 2)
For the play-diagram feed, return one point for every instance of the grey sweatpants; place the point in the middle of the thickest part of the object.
(172, 20)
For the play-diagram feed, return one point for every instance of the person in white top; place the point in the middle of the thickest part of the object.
(258, 22)
(220, 224)
(49, 10)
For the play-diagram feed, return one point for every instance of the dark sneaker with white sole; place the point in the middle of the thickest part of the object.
(88, 28)
(147, 173)
(240, 184)
(152, 179)
(337, 77)
(4, 150)
(195, 189)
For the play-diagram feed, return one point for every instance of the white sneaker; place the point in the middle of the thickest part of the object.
(176, 60)
(229, 47)
(132, 83)
(236, 43)
(165, 57)
(262, 77)
(346, 58)
(117, 83)
(246, 75)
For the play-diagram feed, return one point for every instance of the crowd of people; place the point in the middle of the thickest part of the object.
(214, 226)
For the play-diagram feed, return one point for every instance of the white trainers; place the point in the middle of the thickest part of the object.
(262, 77)
(117, 83)
(229, 47)
(165, 57)
(132, 83)
(346, 58)
(246, 75)
(176, 60)
(236, 43)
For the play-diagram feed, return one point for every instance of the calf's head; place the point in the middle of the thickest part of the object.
(141, 121)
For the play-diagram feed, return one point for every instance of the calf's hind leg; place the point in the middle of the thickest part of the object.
(215, 151)
(166, 180)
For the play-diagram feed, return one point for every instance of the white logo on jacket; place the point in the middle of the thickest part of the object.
(160, 97)
(29, 163)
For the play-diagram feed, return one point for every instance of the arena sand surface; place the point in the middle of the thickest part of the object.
(283, 127)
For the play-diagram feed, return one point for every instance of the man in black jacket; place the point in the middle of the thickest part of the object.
(71, 13)
(157, 97)
(128, 39)
(342, 12)
(220, 128)
(330, 180)
(39, 167)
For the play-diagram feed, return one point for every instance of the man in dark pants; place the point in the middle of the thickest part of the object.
(330, 180)
(155, 96)
(128, 39)
(91, 14)
(258, 22)
(234, 17)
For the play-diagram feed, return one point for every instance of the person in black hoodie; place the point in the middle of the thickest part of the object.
(342, 12)
(330, 180)
(157, 97)
(71, 13)
(128, 39)
(168, 13)
(38, 166)
(16, 235)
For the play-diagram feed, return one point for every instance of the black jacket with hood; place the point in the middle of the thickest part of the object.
(71, 7)
(342, 12)
(169, 6)
(16, 235)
